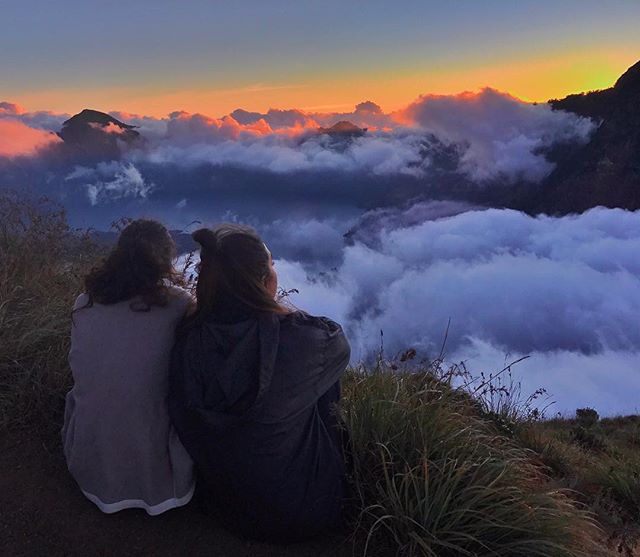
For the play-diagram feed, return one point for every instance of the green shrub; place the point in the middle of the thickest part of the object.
(587, 417)
(623, 479)
(589, 439)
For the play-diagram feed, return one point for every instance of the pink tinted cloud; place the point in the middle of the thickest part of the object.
(10, 109)
(18, 139)
(183, 126)
(109, 128)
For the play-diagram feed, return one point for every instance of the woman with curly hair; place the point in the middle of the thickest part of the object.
(118, 441)
(253, 385)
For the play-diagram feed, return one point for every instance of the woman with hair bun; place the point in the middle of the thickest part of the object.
(253, 387)
(117, 438)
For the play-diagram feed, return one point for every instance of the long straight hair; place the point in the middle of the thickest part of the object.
(234, 266)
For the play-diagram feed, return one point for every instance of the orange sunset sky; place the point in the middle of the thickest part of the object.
(153, 58)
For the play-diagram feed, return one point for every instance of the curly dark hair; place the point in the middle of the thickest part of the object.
(138, 266)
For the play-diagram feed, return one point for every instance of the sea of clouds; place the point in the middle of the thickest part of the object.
(354, 228)
(484, 136)
(565, 291)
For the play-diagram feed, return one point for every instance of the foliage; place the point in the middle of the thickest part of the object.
(42, 262)
(601, 463)
(432, 476)
(587, 417)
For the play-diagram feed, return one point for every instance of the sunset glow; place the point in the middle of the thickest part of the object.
(156, 59)
(536, 80)
(18, 139)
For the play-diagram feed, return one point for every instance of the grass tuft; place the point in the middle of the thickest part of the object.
(432, 476)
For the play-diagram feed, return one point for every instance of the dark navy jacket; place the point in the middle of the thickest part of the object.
(250, 397)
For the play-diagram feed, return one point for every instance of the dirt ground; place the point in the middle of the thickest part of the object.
(42, 512)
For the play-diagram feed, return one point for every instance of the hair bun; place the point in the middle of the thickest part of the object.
(205, 237)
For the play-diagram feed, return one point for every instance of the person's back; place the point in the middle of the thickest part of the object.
(117, 438)
(252, 394)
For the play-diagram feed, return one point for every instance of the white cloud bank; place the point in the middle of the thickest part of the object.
(486, 137)
(566, 290)
(495, 136)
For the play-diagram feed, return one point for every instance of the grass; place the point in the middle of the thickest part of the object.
(600, 462)
(442, 464)
(42, 262)
(434, 476)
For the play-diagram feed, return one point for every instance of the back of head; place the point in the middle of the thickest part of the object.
(235, 265)
(138, 266)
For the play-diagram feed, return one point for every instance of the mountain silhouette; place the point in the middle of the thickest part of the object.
(343, 128)
(605, 171)
(98, 135)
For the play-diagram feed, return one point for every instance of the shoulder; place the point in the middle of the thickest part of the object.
(311, 325)
(313, 336)
(180, 297)
(81, 301)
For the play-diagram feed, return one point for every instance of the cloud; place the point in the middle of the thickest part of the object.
(607, 381)
(41, 119)
(111, 181)
(365, 114)
(10, 109)
(317, 242)
(18, 139)
(563, 289)
(152, 129)
(488, 135)
(372, 225)
(194, 140)
(109, 128)
(188, 129)
(276, 118)
(498, 135)
(368, 107)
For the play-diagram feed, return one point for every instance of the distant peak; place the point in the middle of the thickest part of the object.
(89, 116)
(97, 134)
(344, 128)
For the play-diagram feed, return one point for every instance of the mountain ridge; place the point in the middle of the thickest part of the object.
(606, 170)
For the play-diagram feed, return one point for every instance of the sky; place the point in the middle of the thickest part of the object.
(156, 57)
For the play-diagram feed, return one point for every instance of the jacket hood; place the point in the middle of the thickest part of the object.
(228, 367)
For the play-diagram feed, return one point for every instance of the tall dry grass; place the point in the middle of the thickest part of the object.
(42, 262)
(434, 476)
